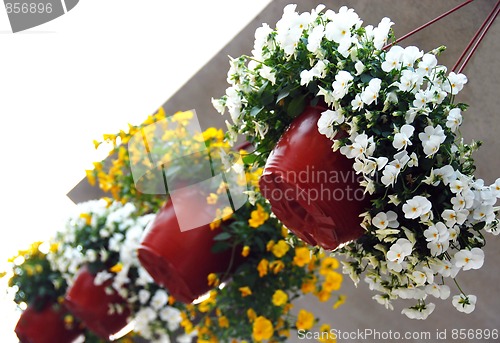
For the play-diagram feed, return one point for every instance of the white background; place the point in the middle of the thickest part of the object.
(104, 64)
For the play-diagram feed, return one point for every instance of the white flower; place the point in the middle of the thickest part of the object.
(91, 255)
(261, 38)
(455, 83)
(432, 138)
(268, 73)
(340, 86)
(402, 138)
(447, 269)
(159, 299)
(318, 71)
(144, 296)
(381, 32)
(437, 233)
(393, 59)
(496, 188)
(469, 259)
(219, 106)
(370, 93)
(438, 291)
(420, 314)
(357, 102)
(326, 121)
(399, 250)
(465, 304)
(315, 38)
(422, 98)
(416, 207)
(383, 300)
(359, 67)
(102, 277)
(408, 81)
(454, 119)
(389, 175)
(410, 55)
(452, 217)
(425, 66)
(383, 220)
(172, 316)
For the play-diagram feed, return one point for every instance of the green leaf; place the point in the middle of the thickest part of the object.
(296, 106)
(249, 159)
(256, 110)
(222, 236)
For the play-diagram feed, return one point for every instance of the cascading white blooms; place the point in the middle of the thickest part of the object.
(100, 230)
(397, 108)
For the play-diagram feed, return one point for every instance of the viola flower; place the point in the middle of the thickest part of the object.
(402, 138)
(469, 259)
(305, 320)
(384, 220)
(279, 298)
(465, 304)
(370, 93)
(455, 83)
(399, 250)
(262, 329)
(416, 207)
(454, 119)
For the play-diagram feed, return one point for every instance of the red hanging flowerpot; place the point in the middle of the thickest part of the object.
(182, 260)
(46, 325)
(91, 304)
(313, 190)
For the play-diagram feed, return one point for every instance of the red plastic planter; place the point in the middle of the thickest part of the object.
(45, 326)
(182, 261)
(313, 190)
(91, 304)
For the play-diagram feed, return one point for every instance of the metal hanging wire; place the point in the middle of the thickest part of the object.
(471, 48)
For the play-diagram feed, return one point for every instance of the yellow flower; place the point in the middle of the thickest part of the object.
(245, 291)
(276, 266)
(340, 301)
(54, 247)
(90, 177)
(326, 336)
(309, 286)
(323, 295)
(280, 249)
(262, 267)
(284, 231)
(213, 280)
(302, 256)
(245, 251)
(68, 321)
(212, 199)
(305, 320)
(270, 245)
(333, 281)
(280, 298)
(223, 322)
(258, 217)
(182, 117)
(116, 268)
(262, 329)
(87, 217)
(251, 314)
(328, 264)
